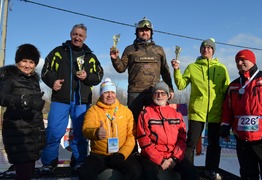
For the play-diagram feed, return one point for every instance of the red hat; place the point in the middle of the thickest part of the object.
(246, 54)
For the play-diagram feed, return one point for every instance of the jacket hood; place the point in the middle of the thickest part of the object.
(100, 104)
(204, 61)
(137, 42)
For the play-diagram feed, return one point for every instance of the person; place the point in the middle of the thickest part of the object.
(161, 133)
(209, 80)
(23, 126)
(242, 111)
(70, 70)
(145, 62)
(110, 127)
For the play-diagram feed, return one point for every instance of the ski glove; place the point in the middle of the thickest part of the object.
(115, 160)
(33, 101)
(225, 131)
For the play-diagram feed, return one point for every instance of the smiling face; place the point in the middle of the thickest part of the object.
(108, 97)
(206, 52)
(78, 36)
(243, 65)
(27, 66)
(160, 97)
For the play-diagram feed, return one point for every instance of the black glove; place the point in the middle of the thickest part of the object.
(33, 101)
(225, 131)
(115, 160)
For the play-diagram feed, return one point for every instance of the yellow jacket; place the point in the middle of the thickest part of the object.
(122, 126)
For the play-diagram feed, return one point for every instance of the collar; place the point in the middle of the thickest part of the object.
(246, 75)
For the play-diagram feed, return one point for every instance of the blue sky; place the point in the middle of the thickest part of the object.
(228, 21)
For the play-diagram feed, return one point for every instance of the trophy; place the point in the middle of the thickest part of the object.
(116, 38)
(80, 62)
(177, 51)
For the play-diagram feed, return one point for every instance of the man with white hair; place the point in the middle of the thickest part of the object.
(161, 133)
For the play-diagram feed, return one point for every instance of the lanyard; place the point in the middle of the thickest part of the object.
(114, 115)
(112, 118)
(242, 89)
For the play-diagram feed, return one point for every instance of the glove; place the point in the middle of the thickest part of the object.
(33, 101)
(115, 160)
(225, 131)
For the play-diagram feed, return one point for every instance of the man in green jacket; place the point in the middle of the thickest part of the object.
(209, 80)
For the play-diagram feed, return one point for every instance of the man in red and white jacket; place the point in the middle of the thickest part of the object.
(242, 111)
(161, 133)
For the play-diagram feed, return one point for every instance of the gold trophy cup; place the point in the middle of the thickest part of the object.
(177, 51)
(116, 39)
(80, 62)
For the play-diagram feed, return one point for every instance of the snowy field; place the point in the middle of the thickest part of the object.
(228, 160)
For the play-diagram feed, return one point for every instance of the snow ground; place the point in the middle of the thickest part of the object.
(228, 160)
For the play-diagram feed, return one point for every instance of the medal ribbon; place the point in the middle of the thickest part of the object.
(114, 115)
(243, 87)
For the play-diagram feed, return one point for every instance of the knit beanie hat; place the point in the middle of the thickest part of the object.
(107, 85)
(161, 86)
(246, 54)
(209, 42)
(27, 51)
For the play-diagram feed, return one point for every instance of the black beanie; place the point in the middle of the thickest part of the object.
(27, 51)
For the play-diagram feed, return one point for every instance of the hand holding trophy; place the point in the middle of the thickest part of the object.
(80, 62)
(116, 39)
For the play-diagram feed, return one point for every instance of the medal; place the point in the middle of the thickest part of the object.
(241, 91)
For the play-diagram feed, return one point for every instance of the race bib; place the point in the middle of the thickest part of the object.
(248, 123)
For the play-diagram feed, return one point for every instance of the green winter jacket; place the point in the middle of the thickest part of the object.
(209, 81)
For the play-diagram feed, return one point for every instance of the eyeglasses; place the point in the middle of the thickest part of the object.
(160, 93)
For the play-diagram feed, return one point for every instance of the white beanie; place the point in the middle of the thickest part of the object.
(107, 85)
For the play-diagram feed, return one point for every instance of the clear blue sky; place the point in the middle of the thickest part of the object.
(228, 21)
